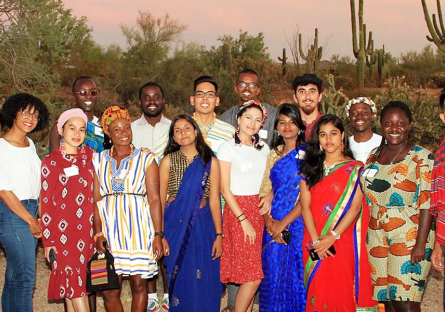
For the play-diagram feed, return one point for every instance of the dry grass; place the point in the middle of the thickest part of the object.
(432, 301)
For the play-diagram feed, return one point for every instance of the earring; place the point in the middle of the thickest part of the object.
(342, 148)
(321, 149)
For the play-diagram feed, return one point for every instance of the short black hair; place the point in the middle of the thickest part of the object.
(19, 102)
(307, 79)
(203, 79)
(396, 104)
(150, 84)
(204, 151)
(248, 71)
(80, 78)
(441, 99)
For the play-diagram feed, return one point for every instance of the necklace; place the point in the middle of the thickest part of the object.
(327, 169)
(396, 154)
(115, 179)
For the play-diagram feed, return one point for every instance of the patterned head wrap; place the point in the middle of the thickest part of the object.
(361, 99)
(111, 114)
(249, 104)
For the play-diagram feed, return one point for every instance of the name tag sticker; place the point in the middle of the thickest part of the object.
(370, 172)
(71, 171)
(246, 166)
(98, 131)
(263, 134)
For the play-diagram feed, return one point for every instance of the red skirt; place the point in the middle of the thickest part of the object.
(241, 261)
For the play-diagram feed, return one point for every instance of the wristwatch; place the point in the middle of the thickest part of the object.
(161, 234)
(220, 234)
(336, 235)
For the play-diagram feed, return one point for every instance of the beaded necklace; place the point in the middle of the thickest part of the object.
(115, 179)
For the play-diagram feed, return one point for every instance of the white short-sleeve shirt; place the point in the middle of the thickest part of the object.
(361, 150)
(20, 170)
(247, 166)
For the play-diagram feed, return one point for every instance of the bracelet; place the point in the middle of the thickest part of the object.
(242, 219)
(220, 234)
(240, 215)
(160, 233)
(97, 236)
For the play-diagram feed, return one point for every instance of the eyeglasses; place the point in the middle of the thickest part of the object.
(208, 94)
(28, 115)
(244, 84)
(85, 92)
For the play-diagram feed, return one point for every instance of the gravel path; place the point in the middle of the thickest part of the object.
(432, 301)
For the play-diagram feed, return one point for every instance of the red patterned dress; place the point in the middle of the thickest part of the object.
(67, 218)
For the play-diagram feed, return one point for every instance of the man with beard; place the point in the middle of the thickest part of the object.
(152, 125)
(362, 113)
(247, 88)
(308, 92)
(85, 93)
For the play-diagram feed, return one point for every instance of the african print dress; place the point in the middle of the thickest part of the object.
(67, 220)
(396, 193)
(125, 212)
(342, 282)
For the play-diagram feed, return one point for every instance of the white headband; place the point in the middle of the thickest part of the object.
(361, 99)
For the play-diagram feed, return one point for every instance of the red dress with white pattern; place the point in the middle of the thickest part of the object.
(67, 220)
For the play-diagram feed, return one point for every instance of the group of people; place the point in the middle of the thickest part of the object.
(271, 200)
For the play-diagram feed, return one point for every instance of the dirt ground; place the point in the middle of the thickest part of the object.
(432, 301)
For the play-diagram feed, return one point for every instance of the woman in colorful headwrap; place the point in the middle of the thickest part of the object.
(243, 162)
(127, 211)
(397, 184)
(334, 216)
(67, 211)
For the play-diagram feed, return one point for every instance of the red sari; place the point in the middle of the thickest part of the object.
(342, 282)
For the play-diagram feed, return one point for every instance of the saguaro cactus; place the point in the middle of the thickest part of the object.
(371, 60)
(227, 57)
(313, 55)
(437, 32)
(381, 62)
(359, 45)
(283, 61)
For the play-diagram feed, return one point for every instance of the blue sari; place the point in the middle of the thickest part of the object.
(282, 288)
(193, 277)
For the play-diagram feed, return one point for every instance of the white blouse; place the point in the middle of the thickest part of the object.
(247, 166)
(20, 170)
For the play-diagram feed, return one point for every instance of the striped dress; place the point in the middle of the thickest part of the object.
(125, 213)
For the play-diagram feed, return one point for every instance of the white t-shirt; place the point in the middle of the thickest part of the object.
(362, 150)
(145, 135)
(247, 166)
(20, 170)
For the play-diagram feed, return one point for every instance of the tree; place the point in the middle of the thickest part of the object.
(36, 38)
(149, 43)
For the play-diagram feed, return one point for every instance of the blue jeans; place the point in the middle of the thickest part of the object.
(20, 248)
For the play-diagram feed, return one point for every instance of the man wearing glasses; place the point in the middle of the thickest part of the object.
(152, 125)
(204, 100)
(85, 92)
(247, 87)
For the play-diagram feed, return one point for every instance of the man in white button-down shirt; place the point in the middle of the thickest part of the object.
(152, 125)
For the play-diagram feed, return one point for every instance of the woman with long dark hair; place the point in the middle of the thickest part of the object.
(397, 184)
(335, 260)
(243, 161)
(282, 288)
(190, 179)
(22, 114)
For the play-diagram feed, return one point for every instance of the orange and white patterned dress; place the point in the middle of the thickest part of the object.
(396, 194)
